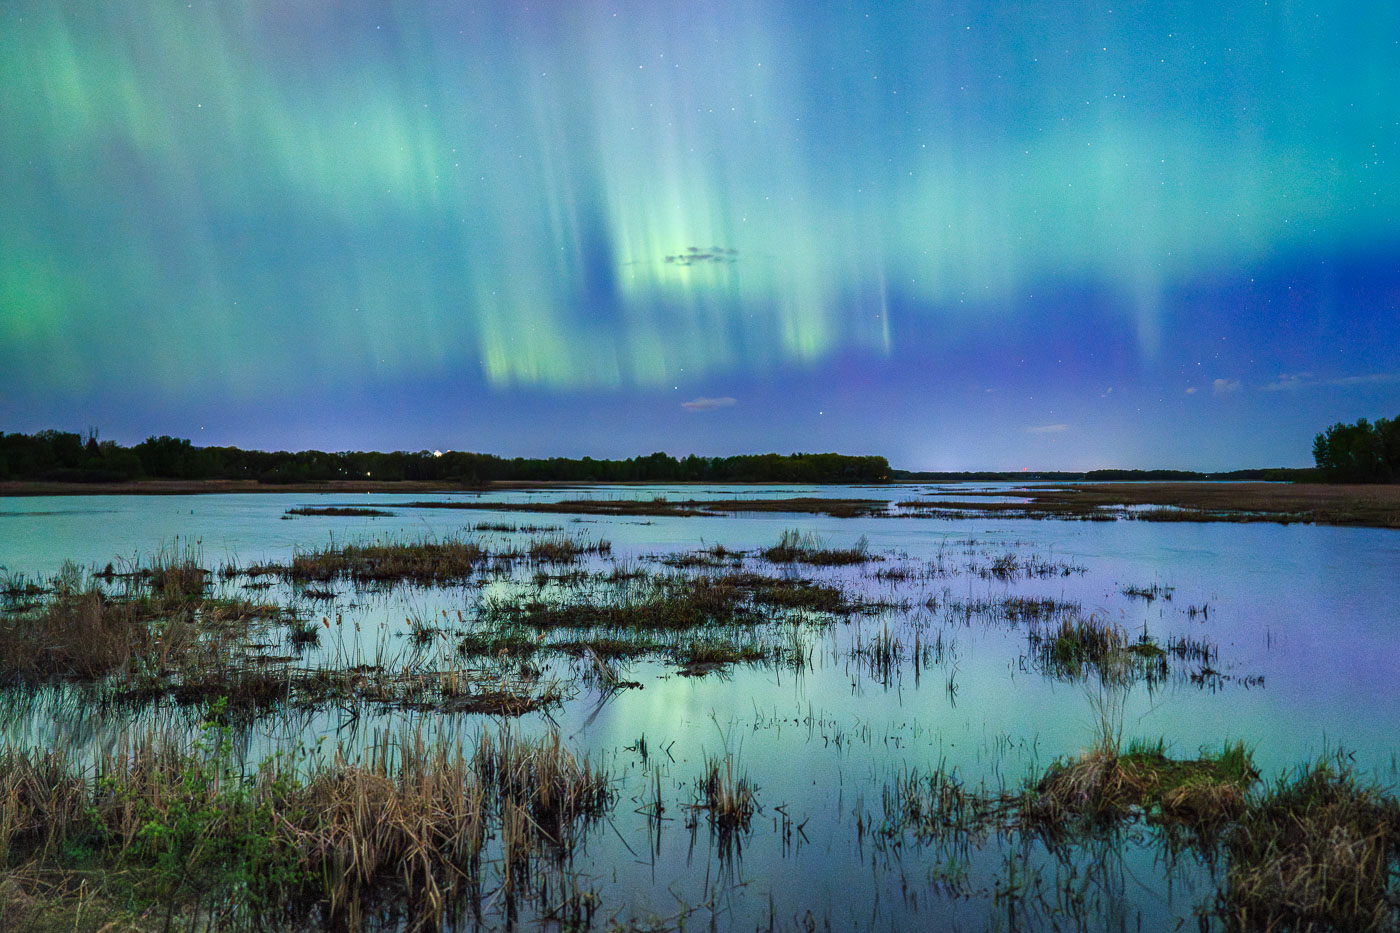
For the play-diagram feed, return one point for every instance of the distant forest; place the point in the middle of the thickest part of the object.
(57, 456)
(1360, 453)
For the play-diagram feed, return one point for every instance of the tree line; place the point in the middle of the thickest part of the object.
(58, 456)
(1363, 452)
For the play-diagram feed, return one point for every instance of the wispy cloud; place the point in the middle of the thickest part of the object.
(1191, 390)
(1225, 386)
(1047, 429)
(1292, 382)
(1288, 382)
(708, 404)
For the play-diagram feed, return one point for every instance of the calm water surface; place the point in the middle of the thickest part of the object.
(1303, 620)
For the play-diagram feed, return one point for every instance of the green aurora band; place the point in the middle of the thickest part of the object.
(261, 196)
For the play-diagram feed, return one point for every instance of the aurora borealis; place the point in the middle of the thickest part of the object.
(963, 235)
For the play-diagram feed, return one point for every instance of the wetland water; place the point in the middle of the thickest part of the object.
(1288, 646)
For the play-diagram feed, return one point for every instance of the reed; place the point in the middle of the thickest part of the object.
(796, 546)
(401, 831)
(1103, 786)
(1319, 851)
(565, 549)
(424, 562)
(728, 797)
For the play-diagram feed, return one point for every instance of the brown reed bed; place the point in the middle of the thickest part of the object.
(798, 547)
(1082, 645)
(673, 602)
(699, 622)
(398, 838)
(339, 511)
(1319, 851)
(1104, 786)
(726, 796)
(83, 633)
(423, 562)
(1376, 506)
(565, 549)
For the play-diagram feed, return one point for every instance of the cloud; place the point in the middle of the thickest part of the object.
(1191, 390)
(708, 404)
(1047, 429)
(1225, 386)
(1291, 382)
(1287, 382)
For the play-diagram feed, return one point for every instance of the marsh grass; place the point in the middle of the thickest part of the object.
(18, 591)
(1083, 645)
(1317, 850)
(936, 803)
(1320, 850)
(1103, 786)
(339, 511)
(796, 546)
(508, 528)
(1149, 593)
(402, 832)
(883, 653)
(83, 633)
(711, 558)
(565, 549)
(1014, 566)
(726, 795)
(699, 622)
(424, 562)
(1340, 504)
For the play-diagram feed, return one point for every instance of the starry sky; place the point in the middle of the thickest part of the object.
(965, 235)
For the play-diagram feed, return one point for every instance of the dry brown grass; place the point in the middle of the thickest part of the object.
(405, 827)
(1323, 504)
(728, 797)
(1104, 786)
(1319, 852)
(450, 560)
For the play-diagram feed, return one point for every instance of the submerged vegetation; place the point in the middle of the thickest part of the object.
(1083, 645)
(1316, 850)
(796, 547)
(1284, 503)
(390, 735)
(338, 511)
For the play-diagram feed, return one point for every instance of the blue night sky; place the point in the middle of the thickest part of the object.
(966, 235)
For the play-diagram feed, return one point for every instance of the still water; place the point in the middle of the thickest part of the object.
(1301, 618)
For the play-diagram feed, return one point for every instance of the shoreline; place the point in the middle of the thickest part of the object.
(203, 487)
(1373, 505)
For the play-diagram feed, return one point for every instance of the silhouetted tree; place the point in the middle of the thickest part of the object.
(1359, 453)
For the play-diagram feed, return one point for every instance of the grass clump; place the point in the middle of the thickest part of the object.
(81, 633)
(652, 603)
(1319, 851)
(451, 560)
(565, 549)
(795, 546)
(339, 511)
(1083, 644)
(729, 800)
(1105, 786)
